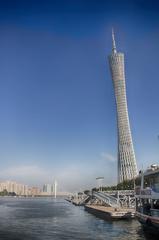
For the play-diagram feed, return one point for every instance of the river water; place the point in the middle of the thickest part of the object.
(57, 219)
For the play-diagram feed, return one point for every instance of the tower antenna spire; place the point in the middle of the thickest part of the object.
(113, 42)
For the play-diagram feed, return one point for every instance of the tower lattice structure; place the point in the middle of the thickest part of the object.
(127, 167)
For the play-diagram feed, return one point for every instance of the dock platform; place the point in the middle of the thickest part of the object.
(110, 213)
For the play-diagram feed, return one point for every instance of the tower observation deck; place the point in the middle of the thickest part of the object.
(127, 167)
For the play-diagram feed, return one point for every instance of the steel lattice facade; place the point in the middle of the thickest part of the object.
(127, 167)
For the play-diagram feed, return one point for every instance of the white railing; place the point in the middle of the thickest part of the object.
(108, 199)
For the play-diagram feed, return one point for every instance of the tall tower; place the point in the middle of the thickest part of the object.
(127, 167)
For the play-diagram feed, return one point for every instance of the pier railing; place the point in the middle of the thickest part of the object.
(122, 198)
(107, 199)
(120, 192)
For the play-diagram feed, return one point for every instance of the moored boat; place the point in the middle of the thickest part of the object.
(147, 199)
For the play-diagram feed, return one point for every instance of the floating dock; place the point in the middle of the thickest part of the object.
(110, 213)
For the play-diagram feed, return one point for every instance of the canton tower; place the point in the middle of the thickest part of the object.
(127, 167)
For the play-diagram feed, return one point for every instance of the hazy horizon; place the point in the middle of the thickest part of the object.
(58, 113)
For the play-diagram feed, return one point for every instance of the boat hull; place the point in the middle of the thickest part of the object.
(149, 223)
(108, 213)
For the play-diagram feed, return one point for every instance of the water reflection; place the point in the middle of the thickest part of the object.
(47, 219)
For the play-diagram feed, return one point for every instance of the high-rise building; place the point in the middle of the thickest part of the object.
(48, 188)
(127, 167)
(14, 187)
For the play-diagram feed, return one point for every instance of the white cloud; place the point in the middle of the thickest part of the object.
(71, 178)
(75, 177)
(23, 171)
(27, 174)
(107, 156)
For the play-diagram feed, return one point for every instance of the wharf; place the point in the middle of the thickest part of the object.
(110, 213)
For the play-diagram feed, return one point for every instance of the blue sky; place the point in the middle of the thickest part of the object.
(57, 107)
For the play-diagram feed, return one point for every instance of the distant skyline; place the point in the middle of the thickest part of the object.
(57, 106)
